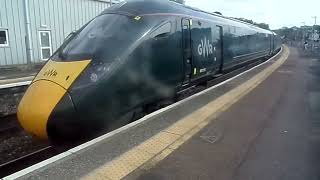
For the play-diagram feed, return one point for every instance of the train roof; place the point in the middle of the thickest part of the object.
(143, 7)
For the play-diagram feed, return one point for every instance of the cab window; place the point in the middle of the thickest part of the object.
(163, 31)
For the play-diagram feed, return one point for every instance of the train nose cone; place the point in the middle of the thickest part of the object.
(37, 105)
(46, 91)
(63, 124)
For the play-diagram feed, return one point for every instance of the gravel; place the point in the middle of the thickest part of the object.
(18, 144)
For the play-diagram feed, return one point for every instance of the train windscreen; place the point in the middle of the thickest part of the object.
(105, 38)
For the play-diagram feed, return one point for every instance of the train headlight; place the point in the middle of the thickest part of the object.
(94, 77)
(93, 74)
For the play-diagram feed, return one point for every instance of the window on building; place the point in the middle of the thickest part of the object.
(45, 44)
(4, 41)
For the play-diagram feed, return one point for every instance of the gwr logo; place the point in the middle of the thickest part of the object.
(51, 73)
(205, 48)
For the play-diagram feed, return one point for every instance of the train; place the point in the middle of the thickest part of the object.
(129, 58)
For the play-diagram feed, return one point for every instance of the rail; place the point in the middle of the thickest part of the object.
(27, 160)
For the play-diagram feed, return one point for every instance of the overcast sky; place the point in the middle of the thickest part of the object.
(276, 13)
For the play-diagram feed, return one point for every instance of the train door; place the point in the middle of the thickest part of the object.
(271, 44)
(187, 51)
(219, 49)
(203, 47)
(207, 48)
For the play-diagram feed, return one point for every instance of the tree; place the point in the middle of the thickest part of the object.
(261, 25)
(316, 28)
(245, 20)
(179, 1)
(303, 33)
(217, 12)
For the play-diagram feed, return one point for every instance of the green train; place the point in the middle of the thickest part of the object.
(131, 56)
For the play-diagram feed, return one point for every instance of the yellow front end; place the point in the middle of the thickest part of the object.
(45, 92)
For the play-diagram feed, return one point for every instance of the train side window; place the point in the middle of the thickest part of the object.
(162, 32)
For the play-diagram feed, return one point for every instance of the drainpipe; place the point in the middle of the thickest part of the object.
(28, 32)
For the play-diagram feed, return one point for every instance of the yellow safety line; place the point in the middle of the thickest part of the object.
(158, 147)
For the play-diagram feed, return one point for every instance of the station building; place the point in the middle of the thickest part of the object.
(31, 30)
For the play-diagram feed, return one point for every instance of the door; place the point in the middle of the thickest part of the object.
(45, 44)
(271, 44)
(187, 51)
(219, 49)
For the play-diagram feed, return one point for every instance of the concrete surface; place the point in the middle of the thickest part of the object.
(271, 134)
(19, 71)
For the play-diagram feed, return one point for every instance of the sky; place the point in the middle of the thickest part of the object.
(276, 13)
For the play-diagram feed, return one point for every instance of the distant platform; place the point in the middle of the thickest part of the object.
(18, 75)
(262, 124)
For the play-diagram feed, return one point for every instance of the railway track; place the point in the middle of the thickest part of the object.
(9, 124)
(27, 160)
(17, 147)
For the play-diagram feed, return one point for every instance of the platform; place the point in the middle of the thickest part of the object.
(261, 124)
(271, 134)
(13, 83)
(14, 76)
